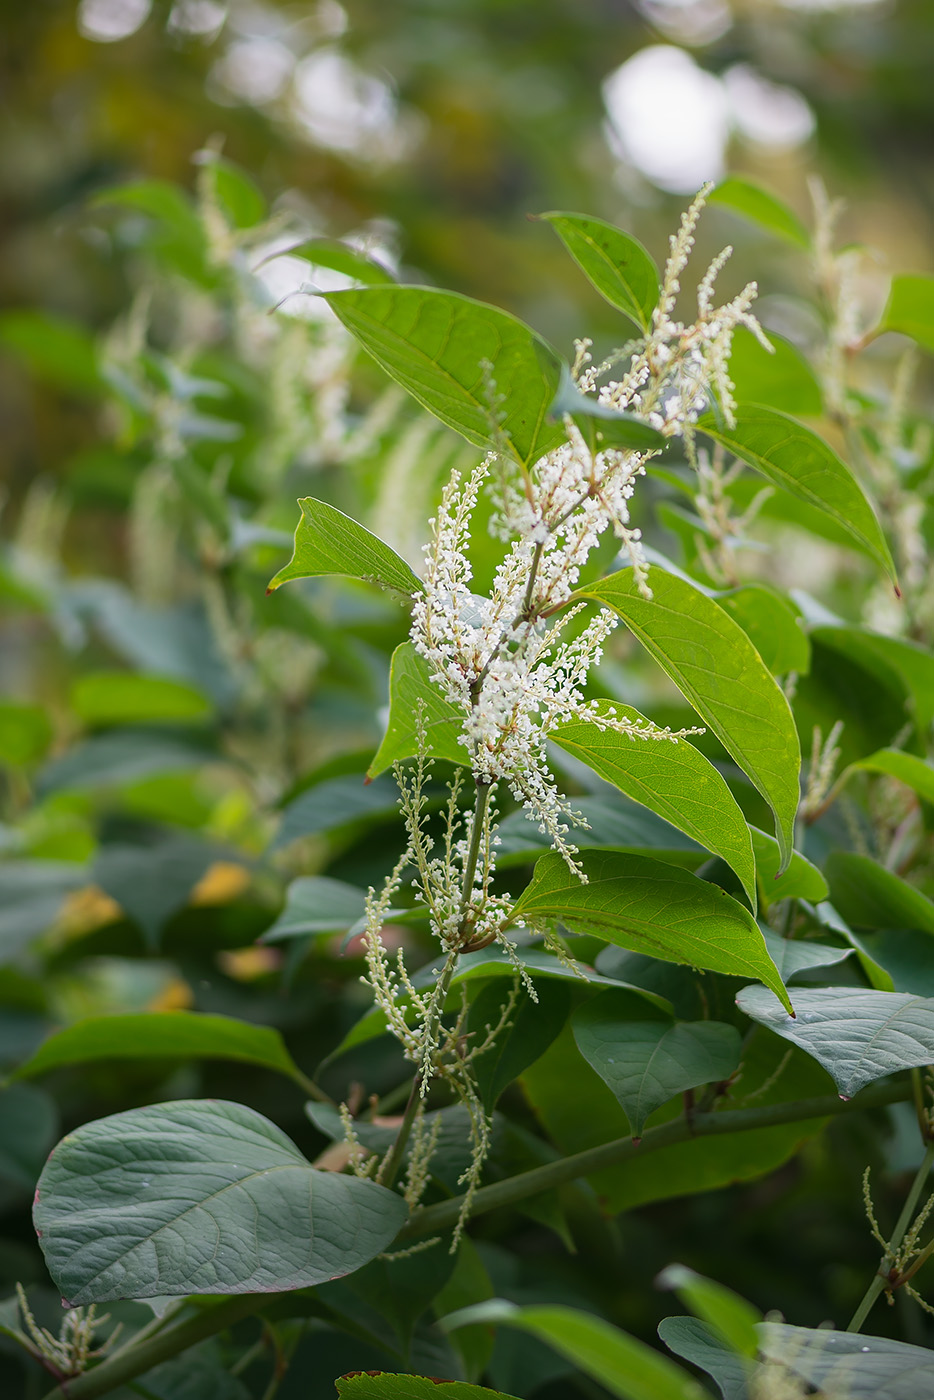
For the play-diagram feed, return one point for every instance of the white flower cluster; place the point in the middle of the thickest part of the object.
(677, 370)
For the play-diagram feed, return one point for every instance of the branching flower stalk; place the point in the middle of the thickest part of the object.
(514, 670)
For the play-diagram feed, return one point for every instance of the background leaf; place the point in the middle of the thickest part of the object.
(762, 207)
(195, 1197)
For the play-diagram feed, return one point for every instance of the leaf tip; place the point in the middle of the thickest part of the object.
(636, 1141)
(898, 591)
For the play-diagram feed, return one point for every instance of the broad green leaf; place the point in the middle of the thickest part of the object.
(401, 1289)
(415, 702)
(28, 1129)
(642, 904)
(646, 1062)
(317, 904)
(161, 1035)
(341, 257)
(857, 1035)
(120, 697)
(329, 542)
(801, 879)
(877, 975)
(783, 380)
(151, 883)
(904, 959)
(715, 666)
(447, 350)
(55, 350)
(25, 732)
(628, 1368)
(762, 208)
(614, 262)
(601, 425)
(32, 893)
(795, 458)
(616, 825)
(869, 896)
(694, 1341)
(910, 309)
(850, 1364)
(119, 757)
(531, 1028)
(791, 955)
(904, 668)
(200, 1197)
(729, 1314)
(334, 803)
(671, 778)
(913, 772)
(238, 196)
(772, 625)
(384, 1385)
(469, 1283)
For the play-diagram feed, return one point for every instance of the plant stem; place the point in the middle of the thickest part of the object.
(473, 854)
(134, 1359)
(437, 1218)
(880, 1278)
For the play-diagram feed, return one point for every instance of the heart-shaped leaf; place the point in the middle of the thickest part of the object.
(715, 666)
(483, 372)
(795, 458)
(856, 1034)
(329, 542)
(646, 1062)
(642, 904)
(200, 1197)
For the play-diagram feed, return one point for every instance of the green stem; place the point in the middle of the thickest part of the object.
(136, 1358)
(310, 1087)
(437, 1218)
(880, 1279)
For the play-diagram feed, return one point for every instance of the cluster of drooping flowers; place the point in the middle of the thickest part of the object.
(514, 670)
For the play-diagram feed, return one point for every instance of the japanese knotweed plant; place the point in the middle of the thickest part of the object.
(210, 1197)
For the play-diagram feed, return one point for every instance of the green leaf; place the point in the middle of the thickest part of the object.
(341, 257)
(601, 425)
(694, 1341)
(801, 879)
(646, 1062)
(671, 778)
(151, 883)
(869, 896)
(335, 803)
(25, 732)
(384, 1385)
(772, 625)
(532, 1026)
(628, 1368)
(762, 207)
(28, 1129)
(200, 1197)
(791, 955)
(55, 350)
(795, 458)
(158, 198)
(33, 894)
(783, 380)
(857, 1035)
(414, 700)
(161, 1035)
(317, 904)
(238, 196)
(120, 697)
(615, 825)
(614, 262)
(892, 660)
(910, 309)
(329, 542)
(913, 772)
(729, 1314)
(715, 666)
(120, 757)
(639, 903)
(850, 1364)
(440, 346)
